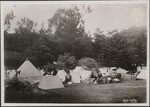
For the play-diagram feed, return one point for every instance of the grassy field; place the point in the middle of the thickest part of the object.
(131, 91)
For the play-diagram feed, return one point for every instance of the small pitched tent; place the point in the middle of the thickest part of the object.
(126, 77)
(29, 72)
(50, 82)
(75, 74)
(104, 71)
(41, 71)
(110, 70)
(62, 75)
(142, 74)
(85, 75)
(79, 74)
(75, 77)
(78, 69)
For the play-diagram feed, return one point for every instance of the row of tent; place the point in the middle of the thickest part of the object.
(30, 73)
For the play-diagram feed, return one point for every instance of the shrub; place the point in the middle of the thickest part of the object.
(17, 90)
(49, 68)
(89, 63)
(67, 61)
(15, 85)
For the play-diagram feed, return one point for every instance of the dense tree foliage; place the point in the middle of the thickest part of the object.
(50, 69)
(66, 34)
(7, 23)
(88, 63)
(68, 28)
(66, 62)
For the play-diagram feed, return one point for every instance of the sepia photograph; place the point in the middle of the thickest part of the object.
(75, 53)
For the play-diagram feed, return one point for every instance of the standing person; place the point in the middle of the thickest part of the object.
(134, 70)
(95, 76)
(99, 78)
(94, 73)
(68, 76)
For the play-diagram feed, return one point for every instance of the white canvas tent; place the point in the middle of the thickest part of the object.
(142, 74)
(62, 75)
(104, 71)
(78, 69)
(29, 72)
(50, 82)
(85, 75)
(75, 74)
(79, 74)
(75, 77)
(126, 76)
(41, 71)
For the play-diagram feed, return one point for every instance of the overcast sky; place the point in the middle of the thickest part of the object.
(105, 16)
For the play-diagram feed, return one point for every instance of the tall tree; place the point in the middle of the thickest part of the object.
(8, 18)
(24, 26)
(68, 28)
(100, 46)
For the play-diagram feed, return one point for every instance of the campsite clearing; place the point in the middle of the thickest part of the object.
(85, 93)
